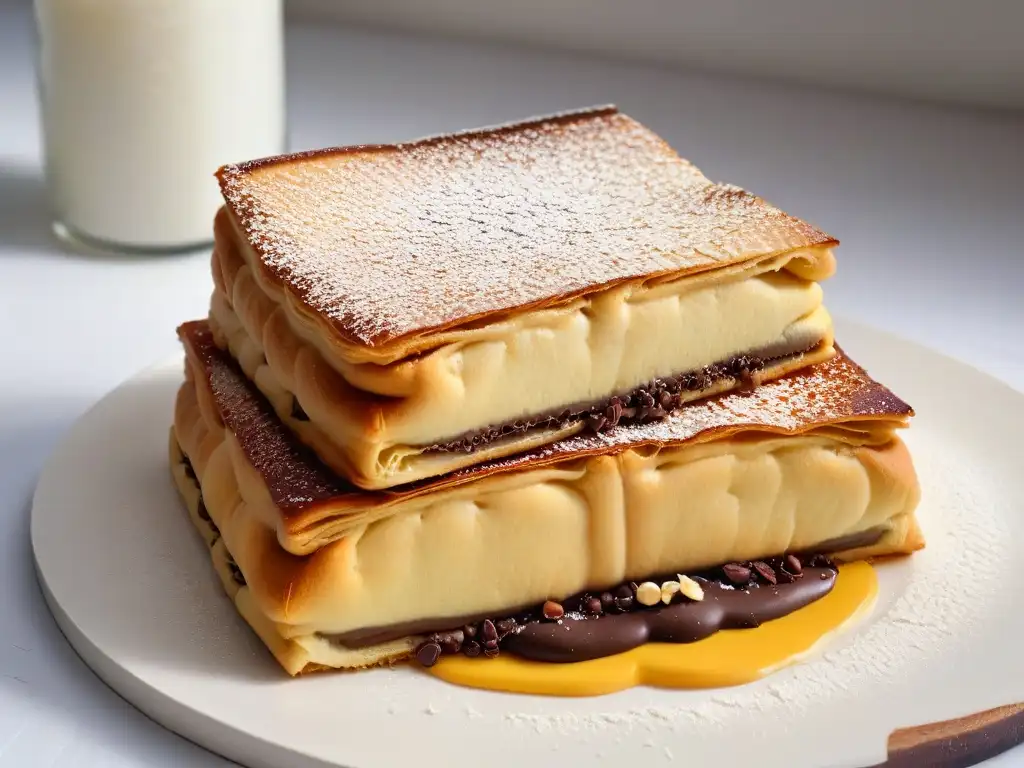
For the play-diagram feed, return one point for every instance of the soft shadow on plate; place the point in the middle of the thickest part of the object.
(57, 688)
(182, 560)
(44, 685)
(158, 546)
(24, 210)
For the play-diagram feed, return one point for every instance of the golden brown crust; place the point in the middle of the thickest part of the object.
(382, 244)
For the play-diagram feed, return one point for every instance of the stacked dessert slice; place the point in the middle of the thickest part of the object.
(413, 310)
(443, 384)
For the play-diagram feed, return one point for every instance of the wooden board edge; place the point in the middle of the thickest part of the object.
(958, 743)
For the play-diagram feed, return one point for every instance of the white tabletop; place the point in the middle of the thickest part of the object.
(926, 200)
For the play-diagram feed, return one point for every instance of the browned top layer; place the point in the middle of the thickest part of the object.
(387, 241)
(830, 393)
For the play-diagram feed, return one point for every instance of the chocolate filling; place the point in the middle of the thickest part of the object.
(593, 625)
(360, 638)
(579, 637)
(204, 515)
(652, 401)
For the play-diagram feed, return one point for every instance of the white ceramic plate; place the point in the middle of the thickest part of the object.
(131, 585)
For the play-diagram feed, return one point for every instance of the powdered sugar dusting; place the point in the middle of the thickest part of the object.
(827, 393)
(389, 241)
(289, 468)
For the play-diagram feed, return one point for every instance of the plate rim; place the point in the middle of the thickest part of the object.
(244, 745)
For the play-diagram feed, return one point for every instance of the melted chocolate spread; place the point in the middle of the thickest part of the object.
(578, 638)
(652, 401)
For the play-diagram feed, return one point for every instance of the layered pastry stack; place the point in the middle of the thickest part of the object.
(542, 388)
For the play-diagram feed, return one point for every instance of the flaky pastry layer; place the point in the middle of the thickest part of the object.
(506, 541)
(389, 248)
(311, 506)
(379, 424)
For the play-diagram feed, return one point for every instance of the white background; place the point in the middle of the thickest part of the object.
(963, 51)
(928, 202)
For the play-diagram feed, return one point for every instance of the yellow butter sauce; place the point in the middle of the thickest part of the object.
(729, 657)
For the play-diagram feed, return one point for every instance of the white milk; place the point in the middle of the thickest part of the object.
(143, 100)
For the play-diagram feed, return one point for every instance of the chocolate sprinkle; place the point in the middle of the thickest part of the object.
(488, 632)
(428, 653)
(504, 626)
(451, 642)
(737, 574)
(765, 571)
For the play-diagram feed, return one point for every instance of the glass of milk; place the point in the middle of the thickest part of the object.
(142, 101)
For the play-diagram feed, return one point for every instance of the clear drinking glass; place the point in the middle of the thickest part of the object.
(142, 100)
